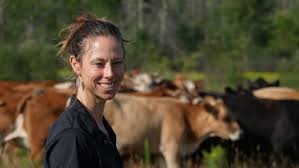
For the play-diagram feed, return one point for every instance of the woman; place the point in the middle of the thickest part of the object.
(81, 137)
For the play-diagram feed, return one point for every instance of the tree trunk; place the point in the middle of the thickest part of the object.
(1, 20)
(163, 21)
(140, 15)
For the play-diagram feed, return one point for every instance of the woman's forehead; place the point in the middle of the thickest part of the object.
(103, 46)
(102, 43)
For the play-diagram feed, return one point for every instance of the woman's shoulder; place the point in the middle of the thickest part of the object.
(71, 134)
(63, 127)
(68, 136)
(69, 148)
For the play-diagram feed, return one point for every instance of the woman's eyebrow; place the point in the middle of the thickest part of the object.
(97, 60)
(103, 60)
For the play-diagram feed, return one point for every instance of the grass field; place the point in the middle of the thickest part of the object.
(216, 158)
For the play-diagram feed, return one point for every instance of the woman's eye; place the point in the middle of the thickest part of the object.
(100, 64)
(117, 62)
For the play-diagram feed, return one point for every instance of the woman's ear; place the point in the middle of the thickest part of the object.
(76, 66)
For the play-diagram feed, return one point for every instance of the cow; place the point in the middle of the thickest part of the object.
(173, 128)
(270, 115)
(9, 97)
(157, 92)
(11, 93)
(179, 94)
(142, 82)
(188, 85)
(261, 83)
(277, 93)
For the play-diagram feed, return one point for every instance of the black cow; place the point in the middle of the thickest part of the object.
(261, 83)
(273, 124)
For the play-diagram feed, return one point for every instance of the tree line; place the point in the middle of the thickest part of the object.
(216, 37)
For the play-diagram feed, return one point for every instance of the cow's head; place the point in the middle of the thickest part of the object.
(240, 102)
(261, 83)
(251, 112)
(213, 120)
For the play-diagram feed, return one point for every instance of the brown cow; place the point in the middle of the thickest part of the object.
(180, 94)
(13, 111)
(172, 127)
(37, 112)
(9, 98)
(10, 95)
(11, 92)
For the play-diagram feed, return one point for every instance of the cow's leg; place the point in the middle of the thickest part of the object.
(9, 148)
(283, 133)
(171, 133)
(36, 152)
(2, 148)
(169, 152)
(37, 139)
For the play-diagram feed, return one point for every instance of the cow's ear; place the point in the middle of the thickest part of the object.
(76, 65)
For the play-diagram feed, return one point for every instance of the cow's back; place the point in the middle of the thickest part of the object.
(135, 118)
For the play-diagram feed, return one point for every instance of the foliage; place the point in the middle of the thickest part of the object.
(18, 159)
(191, 75)
(268, 76)
(222, 39)
(147, 154)
(216, 158)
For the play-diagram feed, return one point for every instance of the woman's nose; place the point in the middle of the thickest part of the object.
(108, 71)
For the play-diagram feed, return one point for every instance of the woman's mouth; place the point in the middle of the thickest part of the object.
(108, 86)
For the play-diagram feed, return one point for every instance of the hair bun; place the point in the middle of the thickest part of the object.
(83, 17)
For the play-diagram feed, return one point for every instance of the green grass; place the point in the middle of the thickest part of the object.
(216, 158)
(194, 75)
(217, 82)
(268, 76)
(18, 159)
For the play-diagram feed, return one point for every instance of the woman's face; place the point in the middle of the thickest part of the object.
(101, 68)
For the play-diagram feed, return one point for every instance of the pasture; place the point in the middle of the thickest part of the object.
(213, 159)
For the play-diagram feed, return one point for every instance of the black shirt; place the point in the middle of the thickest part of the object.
(75, 141)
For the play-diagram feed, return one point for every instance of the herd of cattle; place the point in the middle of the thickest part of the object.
(174, 116)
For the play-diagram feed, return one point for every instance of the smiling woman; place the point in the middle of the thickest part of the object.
(101, 69)
(81, 136)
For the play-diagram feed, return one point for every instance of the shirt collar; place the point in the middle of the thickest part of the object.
(86, 121)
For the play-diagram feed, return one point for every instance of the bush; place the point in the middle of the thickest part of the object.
(216, 158)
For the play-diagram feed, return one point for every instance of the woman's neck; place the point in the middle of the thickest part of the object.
(94, 105)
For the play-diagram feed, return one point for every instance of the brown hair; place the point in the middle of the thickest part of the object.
(84, 26)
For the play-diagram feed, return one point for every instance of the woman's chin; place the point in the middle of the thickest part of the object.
(106, 96)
